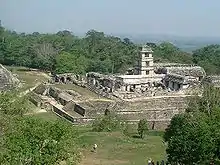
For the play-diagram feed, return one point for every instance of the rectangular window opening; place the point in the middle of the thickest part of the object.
(147, 63)
(146, 55)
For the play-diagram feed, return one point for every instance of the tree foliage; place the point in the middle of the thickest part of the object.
(70, 63)
(209, 58)
(167, 52)
(64, 52)
(193, 137)
(108, 123)
(142, 127)
(95, 52)
(35, 141)
(28, 140)
(11, 104)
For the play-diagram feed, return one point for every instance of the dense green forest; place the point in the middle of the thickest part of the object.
(65, 52)
(193, 137)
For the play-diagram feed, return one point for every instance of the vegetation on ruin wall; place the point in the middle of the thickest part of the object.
(64, 52)
(193, 137)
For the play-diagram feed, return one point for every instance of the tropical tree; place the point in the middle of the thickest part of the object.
(30, 140)
(35, 141)
(70, 63)
(193, 137)
(102, 53)
(167, 52)
(142, 127)
(209, 58)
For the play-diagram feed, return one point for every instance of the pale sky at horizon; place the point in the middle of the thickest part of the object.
(175, 17)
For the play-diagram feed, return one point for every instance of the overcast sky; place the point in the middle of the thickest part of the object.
(176, 17)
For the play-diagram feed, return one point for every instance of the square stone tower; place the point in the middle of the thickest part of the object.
(145, 62)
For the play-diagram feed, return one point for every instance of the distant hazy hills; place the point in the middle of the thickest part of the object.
(185, 43)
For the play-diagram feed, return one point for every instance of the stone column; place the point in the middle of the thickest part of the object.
(128, 88)
(138, 86)
(123, 88)
(170, 84)
(93, 81)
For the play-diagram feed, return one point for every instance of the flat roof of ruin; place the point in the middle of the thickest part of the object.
(174, 65)
(65, 96)
(139, 76)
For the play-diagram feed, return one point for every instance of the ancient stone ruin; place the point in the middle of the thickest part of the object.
(7, 79)
(213, 80)
(155, 91)
(149, 79)
(69, 78)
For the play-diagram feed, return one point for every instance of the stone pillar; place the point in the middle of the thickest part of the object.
(128, 88)
(123, 88)
(170, 85)
(138, 86)
(112, 87)
(93, 81)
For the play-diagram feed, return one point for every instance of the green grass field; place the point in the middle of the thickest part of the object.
(117, 149)
(82, 91)
(28, 78)
(49, 116)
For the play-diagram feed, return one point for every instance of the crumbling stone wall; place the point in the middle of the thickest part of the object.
(35, 99)
(158, 111)
(7, 79)
(195, 71)
(115, 87)
(73, 106)
(213, 80)
(54, 92)
(41, 89)
(101, 84)
(69, 78)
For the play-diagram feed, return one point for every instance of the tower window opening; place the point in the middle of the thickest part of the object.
(147, 63)
(146, 55)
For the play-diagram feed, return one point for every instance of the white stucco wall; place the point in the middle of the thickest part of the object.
(140, 79)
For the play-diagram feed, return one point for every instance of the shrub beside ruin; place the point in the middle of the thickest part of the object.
(108, 123)
(142, 128)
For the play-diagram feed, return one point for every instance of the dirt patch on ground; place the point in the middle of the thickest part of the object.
(36, 111)
(92, 158)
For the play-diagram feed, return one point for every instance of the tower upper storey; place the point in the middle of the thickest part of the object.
(146, 52)
(146, 48)
(145, 62)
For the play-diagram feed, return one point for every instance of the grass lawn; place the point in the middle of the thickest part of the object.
(82, 91)
(30, 78)
(34, 111)
(49, 116)
(117, 149)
